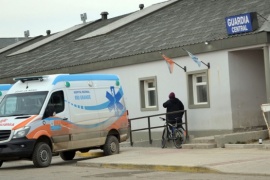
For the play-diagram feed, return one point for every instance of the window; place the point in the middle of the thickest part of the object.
(19, 104)
(198, 89)
(148, 94)
(57, 100)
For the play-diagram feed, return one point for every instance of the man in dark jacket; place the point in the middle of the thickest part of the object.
(174, 104)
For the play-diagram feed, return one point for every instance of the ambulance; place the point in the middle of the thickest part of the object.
(4, 89)
(60, 114)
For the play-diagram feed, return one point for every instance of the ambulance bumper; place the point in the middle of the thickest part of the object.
(17, 149)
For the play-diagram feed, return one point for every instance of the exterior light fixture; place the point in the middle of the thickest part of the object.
(117, 83)
(206, 43)
(67, 84)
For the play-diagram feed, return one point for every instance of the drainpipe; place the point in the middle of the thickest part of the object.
(267, 71)
(267, 77)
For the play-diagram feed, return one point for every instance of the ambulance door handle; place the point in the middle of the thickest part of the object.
(65, 119)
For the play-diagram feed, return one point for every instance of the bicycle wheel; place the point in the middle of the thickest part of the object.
(164, 138)
(178, 140)
(183, 132)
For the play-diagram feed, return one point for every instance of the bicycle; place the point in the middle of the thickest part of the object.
(174, 134)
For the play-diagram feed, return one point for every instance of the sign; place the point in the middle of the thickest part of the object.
(241, 23)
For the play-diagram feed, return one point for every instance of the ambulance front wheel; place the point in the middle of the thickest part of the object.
(111, 146)
(42, 155)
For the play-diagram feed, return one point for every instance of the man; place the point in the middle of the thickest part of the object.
(174, 104)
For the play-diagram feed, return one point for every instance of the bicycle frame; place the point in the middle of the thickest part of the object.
(172, 133)
(171, 129)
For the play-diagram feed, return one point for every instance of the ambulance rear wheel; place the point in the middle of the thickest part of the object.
(42, 155)
(1, 163)
(111, 146)
(67, 155)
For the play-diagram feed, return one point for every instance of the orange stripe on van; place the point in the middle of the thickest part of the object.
(22, 124)
(122, 122)
(41, 131)
(45, 129)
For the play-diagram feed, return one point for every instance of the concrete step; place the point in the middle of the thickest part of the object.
(200, 143)
(199, 146)
(210, 139)
(191, 143)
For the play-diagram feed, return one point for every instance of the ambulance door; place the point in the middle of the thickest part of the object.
(59, 120)
(108, 111)
(83, 107)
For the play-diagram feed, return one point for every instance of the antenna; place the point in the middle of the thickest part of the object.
(26, 33)
(83, 17)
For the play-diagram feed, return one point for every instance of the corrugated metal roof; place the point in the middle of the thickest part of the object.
(4, 42)
(266, 25)
(11, 46)
(48, 39)
(128, 19)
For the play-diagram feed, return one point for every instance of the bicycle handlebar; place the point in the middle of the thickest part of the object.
(163, 119)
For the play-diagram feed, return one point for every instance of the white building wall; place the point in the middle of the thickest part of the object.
(217, 117)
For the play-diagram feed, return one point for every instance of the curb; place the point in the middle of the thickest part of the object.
(164, 168)
(150, 167)
(248, 146)
(210, 168)
(89, 154)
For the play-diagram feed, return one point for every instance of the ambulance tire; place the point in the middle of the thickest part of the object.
(42, 155)
(111, 146)
(67, 155)
(1, 163)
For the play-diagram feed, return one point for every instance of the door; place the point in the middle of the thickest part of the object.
(83, 107)
(57, 114)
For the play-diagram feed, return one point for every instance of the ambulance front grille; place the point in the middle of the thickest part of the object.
(4, 134)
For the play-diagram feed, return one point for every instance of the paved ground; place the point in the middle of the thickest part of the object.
(251, 161)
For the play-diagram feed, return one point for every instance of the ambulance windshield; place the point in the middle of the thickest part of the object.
(19, 104)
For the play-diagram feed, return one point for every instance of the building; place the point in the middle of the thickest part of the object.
(223, 94)
(8, 41)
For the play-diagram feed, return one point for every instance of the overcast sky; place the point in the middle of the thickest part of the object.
(37, 16)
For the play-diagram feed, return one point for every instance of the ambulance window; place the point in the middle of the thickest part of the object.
(57, 100)
(10, 105)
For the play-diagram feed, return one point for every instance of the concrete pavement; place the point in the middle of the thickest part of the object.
(251, 161)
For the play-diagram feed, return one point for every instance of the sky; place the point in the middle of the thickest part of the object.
(37, 16)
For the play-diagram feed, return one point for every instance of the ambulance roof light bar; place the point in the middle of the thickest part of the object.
(31, 78)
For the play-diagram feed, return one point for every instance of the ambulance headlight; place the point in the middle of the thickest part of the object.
(22, 132)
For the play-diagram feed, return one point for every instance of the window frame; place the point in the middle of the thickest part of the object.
(144, 101)
(59, 94)
(192, 90)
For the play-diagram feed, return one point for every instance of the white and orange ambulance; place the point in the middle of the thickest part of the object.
(60, 114)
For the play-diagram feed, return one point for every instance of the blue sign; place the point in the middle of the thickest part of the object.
(241, 23)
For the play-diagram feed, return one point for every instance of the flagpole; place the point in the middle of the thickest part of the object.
(208, 64)
(184, 68)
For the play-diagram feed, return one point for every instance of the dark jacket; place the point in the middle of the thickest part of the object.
(174, 104)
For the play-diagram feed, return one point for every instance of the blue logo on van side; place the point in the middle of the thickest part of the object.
(113, 102)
